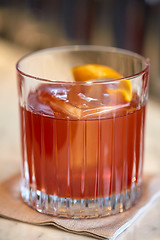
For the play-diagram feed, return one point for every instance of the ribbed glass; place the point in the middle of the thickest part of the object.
(87, 165)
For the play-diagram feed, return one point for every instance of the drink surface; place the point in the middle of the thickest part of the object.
(77, 146)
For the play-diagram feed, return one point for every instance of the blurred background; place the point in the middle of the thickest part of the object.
(29, 25)
(129, 24)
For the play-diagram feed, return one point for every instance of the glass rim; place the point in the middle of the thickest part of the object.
(85, 48)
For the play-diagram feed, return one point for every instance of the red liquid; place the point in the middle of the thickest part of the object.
(81, 158)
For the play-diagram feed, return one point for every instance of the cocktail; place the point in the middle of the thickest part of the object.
(82, 118)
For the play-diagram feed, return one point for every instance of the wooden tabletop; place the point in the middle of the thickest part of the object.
(10, 159)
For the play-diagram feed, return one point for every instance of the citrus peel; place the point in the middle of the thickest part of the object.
(89, 72)
(94, 71)
(124, 89)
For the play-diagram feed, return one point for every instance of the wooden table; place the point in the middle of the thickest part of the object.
(145, 228)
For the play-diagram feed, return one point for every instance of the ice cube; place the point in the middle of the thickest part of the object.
(79, 102)
(58, 105)
(85, 96)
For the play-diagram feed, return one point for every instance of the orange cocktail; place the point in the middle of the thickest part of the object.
(83, 140)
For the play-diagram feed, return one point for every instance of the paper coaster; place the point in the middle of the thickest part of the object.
(13, 207)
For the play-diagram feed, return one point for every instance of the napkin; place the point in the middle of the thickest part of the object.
(13, 207)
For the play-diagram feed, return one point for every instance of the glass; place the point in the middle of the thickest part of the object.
(82, 147)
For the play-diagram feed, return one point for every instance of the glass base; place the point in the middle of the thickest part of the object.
(80, 208)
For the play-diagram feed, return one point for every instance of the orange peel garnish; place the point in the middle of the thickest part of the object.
(124, 89)
(89, 72)
(94, 71)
